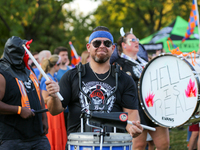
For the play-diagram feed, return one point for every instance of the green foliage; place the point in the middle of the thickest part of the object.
(144, 16)
(79, 29)
(50, 25)
(40, 20)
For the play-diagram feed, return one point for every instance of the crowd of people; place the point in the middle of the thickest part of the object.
(24, 91)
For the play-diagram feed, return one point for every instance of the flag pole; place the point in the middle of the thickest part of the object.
(40, 69)
(73, 49)
(197, 21)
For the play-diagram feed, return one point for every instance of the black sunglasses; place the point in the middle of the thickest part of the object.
(97, 43)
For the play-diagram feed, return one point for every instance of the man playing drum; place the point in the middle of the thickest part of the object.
(98, 83)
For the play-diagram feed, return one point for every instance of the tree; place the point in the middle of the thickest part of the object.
(144, 16)
(79, 28)
(40, 20)
(49, 25)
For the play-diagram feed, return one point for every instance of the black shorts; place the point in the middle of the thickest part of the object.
(144, 119)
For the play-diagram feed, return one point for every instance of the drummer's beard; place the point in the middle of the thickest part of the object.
(100, 58)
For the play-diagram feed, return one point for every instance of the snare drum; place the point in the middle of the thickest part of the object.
(90, 141)
(169, 90)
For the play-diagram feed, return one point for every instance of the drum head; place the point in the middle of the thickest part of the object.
(168, 90)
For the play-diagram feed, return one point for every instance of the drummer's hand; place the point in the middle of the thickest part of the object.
(52, 88)
(134, 130)
(26, 113)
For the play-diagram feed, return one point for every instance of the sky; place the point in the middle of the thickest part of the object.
(84, 6)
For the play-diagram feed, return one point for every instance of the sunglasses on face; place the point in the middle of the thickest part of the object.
(97, 43)
(134, 40)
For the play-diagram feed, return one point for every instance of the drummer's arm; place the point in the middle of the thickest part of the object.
(54, 104)
(133, 116)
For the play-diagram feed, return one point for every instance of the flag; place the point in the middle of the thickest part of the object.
(75, 59)
(193, 21)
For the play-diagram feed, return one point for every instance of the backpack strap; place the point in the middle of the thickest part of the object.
(115, 69)
(81, 69)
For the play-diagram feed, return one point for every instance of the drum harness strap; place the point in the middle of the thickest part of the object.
(115, 72)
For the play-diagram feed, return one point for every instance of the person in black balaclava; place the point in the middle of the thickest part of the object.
(20, 127)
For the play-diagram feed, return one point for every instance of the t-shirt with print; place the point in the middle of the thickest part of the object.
(132, 69)
(98, 91)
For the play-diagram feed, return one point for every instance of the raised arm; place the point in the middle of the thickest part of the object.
(53, 102)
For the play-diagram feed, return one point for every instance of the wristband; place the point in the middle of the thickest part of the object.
(19, 110)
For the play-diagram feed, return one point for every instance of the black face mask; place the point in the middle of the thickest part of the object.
(12, 60)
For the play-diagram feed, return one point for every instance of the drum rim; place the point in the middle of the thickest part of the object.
(85, 138)
(140, 92)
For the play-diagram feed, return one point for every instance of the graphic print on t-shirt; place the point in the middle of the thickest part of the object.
(98, 93)
(28, 85)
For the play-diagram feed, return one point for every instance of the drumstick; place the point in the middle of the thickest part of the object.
(144, 126)
(40, 69)
(39, 111)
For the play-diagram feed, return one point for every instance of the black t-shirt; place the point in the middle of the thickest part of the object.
(14, 126)
(98, 91)
(130, 68)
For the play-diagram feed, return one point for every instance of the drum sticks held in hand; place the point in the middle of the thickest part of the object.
(144, 126)
(40, 69)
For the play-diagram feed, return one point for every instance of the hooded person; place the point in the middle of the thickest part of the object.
(20, 127)
(13, 58)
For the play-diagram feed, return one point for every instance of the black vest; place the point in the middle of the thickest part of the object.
(14, 126)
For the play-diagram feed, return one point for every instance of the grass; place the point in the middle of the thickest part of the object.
(178, 138)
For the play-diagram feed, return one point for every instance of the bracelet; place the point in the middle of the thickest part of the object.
(19, 110)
